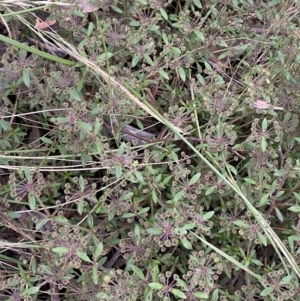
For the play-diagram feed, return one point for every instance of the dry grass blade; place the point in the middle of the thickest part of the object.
(30, 3)
(72, 51)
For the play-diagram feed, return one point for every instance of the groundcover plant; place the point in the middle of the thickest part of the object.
(149, 150)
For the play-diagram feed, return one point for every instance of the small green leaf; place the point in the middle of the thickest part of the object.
(46, 269)
(98, 250)
(105, 56)
(163, 13)
(155, 231)
(4, 125)
(166, 180)
(139, 124)
(286, 280)
(232, 169)
(83, 159)
(139, 176)
(148, 293)
(116, 9)
(194, 178)
(188, 226)
(186, 243)
(90, 29)
(297, 196)
(74, 95)
(280, 193)
(241, 223)
(61, 250)
(135, 23)
(163, 74)
(156, 286)
(178, 293)
(90, 220)
(46, 140)
(80, 85)
(118, 171)
(61, 120)
(182, 74)
(80, 206)
(264, 200)
(128, 215)
(210, 190)
(135, 60)
(99, 146)
(95, 276)
(223, 55)
(137, 233)
(102, 261)
(291, 240)
(258, 15)
(32, 202)
(263, 144)
(30, 291)
(178, 195)
(122, 148)
(199, 35)
(176, 51)
(250, 181)
(14, 215)
(182, 284)
(165, 38)
(138, 272)
(256, 262)
(197, 3)
(144, 210)
(174, 156)
(154, 196)
(213, 10)
(262, 238)
(83, 256)
(273, 2)
(84, 126)
(26, 77)
(40, 223)
(102, 296)
(60, 219)
(201, 295)
(97, 126)
(153, 28)
(127, 196)
(208, 215)
(81, 183)
(148, 59)
(215, 295)
(264, 124)
(223, 44)
(27, 173)
(279, 214)
(180, 231)
(158, 179)
(266, 291)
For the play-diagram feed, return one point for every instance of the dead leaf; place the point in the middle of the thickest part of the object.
(43, 24)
